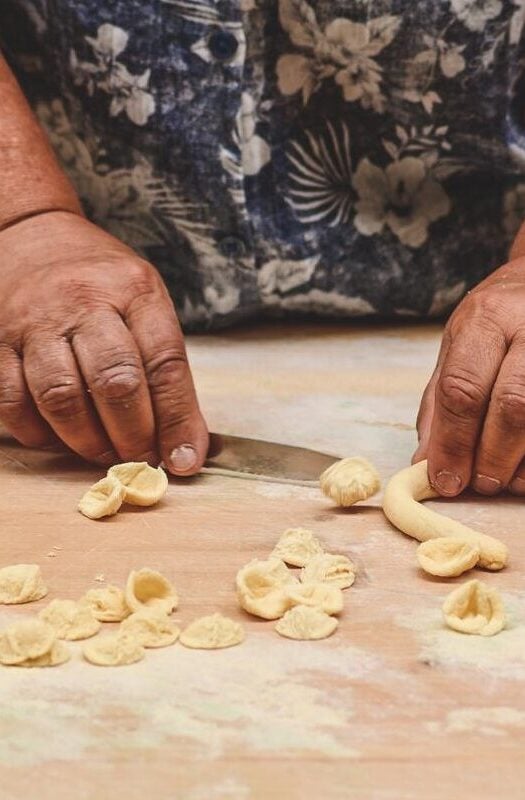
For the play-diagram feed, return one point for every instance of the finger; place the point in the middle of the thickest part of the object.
(424, 421)
(427, 407)
(60, 397)
(181, 430)
(517, 484)
(111, 366)
(502, 442)
(17, 409)
(461, 399)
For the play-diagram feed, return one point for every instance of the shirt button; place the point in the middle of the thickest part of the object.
(232, 247)
(222, 45)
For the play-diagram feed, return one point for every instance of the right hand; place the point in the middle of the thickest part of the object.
(91, 352)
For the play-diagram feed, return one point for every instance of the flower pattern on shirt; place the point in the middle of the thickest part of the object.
(344, 50)
(474, 14)
(128, 92)
(338, 157)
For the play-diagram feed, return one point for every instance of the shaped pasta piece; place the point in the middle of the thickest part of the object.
(150, 628)
(70, 620)
(29, 638)
(147, 588)
(261, 588)
(328, 568)
(305, 622)
(323, 596)
(58, 654)
(113, 650)
(103, 499)
(402, 507)
(21, 583)
(296, 547)
(144, 485)
(447, 556)
(212, 632)
(107, 604)
(474, 608)
(350, 480)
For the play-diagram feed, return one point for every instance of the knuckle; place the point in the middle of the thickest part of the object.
(487, 304)
(460, 396)
(62, 399)
(143, 284)
(510, 404)
(166, 370)
(119, 383)
(453, 450)
(11, 398)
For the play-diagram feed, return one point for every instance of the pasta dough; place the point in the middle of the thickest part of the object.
(447, 556)
(70, 620)
(103, 499)
(21, 583)
(144, 485)
(296, 547)
(305, 622)
(261, 587)
(114, 650)
(350, 480)
(29, 638)
(108, 604)
(213, 632)
(328, 568)
(402, 507)
(150, 628)
(59, 654)
(474, 608)
(323, 596)
(147, 588)
(31, 643)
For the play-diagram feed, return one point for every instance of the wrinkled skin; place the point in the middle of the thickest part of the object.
(91, 353)
(471, 422)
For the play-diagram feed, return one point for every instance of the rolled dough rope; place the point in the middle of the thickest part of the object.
(401, 505)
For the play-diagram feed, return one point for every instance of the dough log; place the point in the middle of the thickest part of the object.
(402, 506)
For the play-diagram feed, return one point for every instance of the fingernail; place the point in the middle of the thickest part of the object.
(447, 483)
(183, 458)
(486, 485)
(517, 486)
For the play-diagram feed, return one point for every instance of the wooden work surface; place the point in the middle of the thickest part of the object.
(393, 706)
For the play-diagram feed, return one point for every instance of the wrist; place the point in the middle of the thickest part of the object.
(35, 192)
(32, 180)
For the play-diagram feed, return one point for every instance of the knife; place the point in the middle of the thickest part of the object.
(255, 459)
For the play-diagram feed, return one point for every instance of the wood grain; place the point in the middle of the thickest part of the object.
(392, 706)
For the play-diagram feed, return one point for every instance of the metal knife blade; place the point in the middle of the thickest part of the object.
(252, 458)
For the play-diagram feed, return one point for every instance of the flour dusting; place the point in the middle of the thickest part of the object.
(257, 698)
(502, 655)
(489, 721)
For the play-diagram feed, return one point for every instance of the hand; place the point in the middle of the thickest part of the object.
(471, 422)
(91, 352)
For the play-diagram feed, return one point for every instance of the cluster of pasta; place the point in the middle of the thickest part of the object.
(135, 483)
(304, 606)
(448, 549)
(142, 608)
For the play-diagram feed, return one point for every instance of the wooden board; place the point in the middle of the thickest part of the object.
(392, 706)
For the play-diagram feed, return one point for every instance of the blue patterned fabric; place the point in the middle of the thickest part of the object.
(342, 157)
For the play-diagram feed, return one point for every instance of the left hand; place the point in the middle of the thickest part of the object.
(471, 422)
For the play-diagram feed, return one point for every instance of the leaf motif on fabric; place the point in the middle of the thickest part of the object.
(320, 176)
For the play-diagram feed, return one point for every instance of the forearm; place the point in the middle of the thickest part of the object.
(32, 181)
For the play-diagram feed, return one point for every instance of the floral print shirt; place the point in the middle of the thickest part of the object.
(342, 157)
